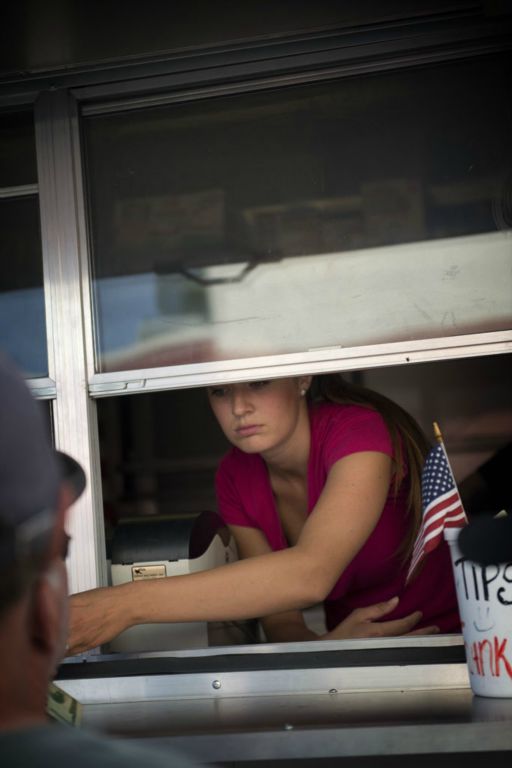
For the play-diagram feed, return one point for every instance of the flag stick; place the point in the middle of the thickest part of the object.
(437, 433)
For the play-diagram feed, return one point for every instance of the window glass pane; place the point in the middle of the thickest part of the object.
(22, 314)
(17, 150)
(375, 205)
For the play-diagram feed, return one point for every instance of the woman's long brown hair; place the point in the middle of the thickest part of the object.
(410, 446)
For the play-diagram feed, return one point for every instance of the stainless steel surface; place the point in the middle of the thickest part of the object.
(303, 713)
(144, 688)
(314, 725)
(89, 685)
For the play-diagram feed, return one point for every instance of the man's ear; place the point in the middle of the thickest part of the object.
(65, 500)
(48, 608)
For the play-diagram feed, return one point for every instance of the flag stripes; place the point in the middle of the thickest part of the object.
(442, 505)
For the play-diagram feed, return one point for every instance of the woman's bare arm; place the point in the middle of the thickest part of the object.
(290, 626)
(284, 627)
(292, 579)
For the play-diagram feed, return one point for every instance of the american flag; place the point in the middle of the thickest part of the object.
(441, 505)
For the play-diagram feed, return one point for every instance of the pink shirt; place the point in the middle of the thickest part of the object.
(245, 498)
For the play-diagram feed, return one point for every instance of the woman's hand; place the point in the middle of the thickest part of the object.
(365, 622)
(95, 617)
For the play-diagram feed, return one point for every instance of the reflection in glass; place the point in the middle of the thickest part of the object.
(17, 150)
(22, 313)
(379, 206)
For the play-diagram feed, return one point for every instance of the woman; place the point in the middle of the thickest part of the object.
(323, 500)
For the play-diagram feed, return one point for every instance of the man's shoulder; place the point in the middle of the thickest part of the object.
(42, 746)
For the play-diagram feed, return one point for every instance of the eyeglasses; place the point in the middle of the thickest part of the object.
(31, 540)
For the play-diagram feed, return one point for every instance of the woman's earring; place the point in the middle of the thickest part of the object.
(303, 392)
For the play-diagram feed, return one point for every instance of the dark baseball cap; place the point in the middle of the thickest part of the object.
(31, 471)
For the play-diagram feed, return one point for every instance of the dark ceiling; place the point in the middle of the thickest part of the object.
(57, 35)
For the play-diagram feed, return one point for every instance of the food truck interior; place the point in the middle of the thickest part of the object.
(159, 453)
(211, 193)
